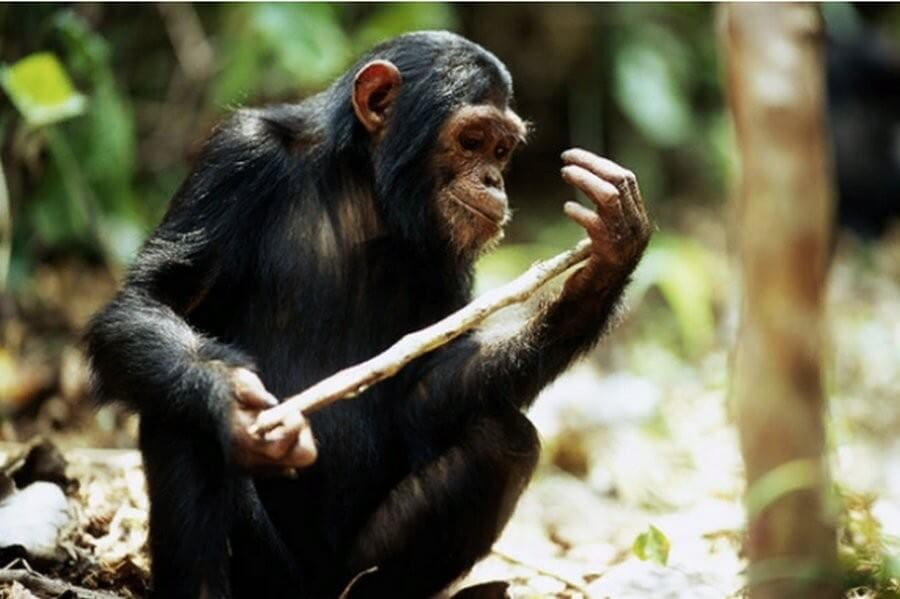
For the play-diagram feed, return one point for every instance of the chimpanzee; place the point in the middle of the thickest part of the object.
(310, 237)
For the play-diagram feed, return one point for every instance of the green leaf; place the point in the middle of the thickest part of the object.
(241, 73)
(86, 51)
(683, 272)
(649, 92)
(891, 567)
(280, 49)
(307, 40)
(41, 90)
(51, 213)
(509, 261)
(106, 140)
(652, 546)
(391, 20)
(785, 478)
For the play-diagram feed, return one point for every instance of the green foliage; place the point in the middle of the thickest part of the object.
(682, 270)
(665, 81)
(88, 195)
(652, 546)
(869, 561)
(512, 259)
(650, 93)
(301, 44)
(780, 481)
(58, 213)
(280, 47)
(41, 90)
(5, 231)
(89, 185)
(86, 50)
(394, 19)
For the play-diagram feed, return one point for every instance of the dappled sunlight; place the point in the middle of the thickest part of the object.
(710, 369)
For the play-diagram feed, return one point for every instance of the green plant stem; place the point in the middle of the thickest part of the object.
(87, 211)
(5, 231)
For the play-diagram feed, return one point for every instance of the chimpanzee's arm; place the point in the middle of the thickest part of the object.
(559, 333)
(142, 350)
(473, 376)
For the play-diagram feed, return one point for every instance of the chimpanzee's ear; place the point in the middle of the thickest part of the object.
(374, 89)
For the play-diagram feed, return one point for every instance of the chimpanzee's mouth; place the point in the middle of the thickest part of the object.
(496, 217)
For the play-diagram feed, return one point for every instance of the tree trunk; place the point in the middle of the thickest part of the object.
(773, 59)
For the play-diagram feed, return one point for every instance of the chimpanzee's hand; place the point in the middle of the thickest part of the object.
(619, 229)
(290, 445)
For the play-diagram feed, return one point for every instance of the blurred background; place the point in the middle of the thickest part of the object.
(102, 108)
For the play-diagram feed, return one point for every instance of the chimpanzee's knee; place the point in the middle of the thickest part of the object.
(511, 447)
(444, 517)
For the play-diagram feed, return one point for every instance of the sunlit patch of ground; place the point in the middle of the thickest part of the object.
(638, 435)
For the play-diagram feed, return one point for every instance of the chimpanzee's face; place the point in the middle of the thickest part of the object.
(474, 148)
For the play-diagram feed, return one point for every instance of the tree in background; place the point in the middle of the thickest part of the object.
(773, 58)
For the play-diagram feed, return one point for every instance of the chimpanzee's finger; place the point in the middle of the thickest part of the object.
(622, 178)
(289, 448)
(602, 193)
(291, 443)
(257, 398)
(277, 444)
(304, 452)
(588, 219)
(250, 391)
(635, 205)
(634, 191)
(630, 199)
(602, 167)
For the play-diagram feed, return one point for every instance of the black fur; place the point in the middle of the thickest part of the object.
(296, 249)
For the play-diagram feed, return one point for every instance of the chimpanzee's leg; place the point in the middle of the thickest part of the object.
(210, 537)
(191, 498)
(440, 520)
(261, 565)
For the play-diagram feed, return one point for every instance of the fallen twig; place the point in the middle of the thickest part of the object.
(569, 582)
(356, 379)
(50, 586)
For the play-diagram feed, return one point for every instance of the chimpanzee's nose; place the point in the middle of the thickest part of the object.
(493, 179)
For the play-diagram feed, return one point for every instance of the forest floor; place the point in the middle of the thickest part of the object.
(638, 494)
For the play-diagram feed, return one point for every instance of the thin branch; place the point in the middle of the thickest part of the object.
(356, 379)
(51, 586)
(193, 50)
(569, 582)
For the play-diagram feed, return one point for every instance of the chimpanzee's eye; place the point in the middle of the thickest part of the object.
(471, 140)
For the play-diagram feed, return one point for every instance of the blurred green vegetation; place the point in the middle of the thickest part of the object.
(652, 545)
(92, 163)
(868, 558)
(104, 106)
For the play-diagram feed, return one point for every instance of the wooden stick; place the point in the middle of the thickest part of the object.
(566, 580)
(356, 379)
(50, 586)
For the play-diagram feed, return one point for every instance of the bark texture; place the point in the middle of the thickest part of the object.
(773, 61)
